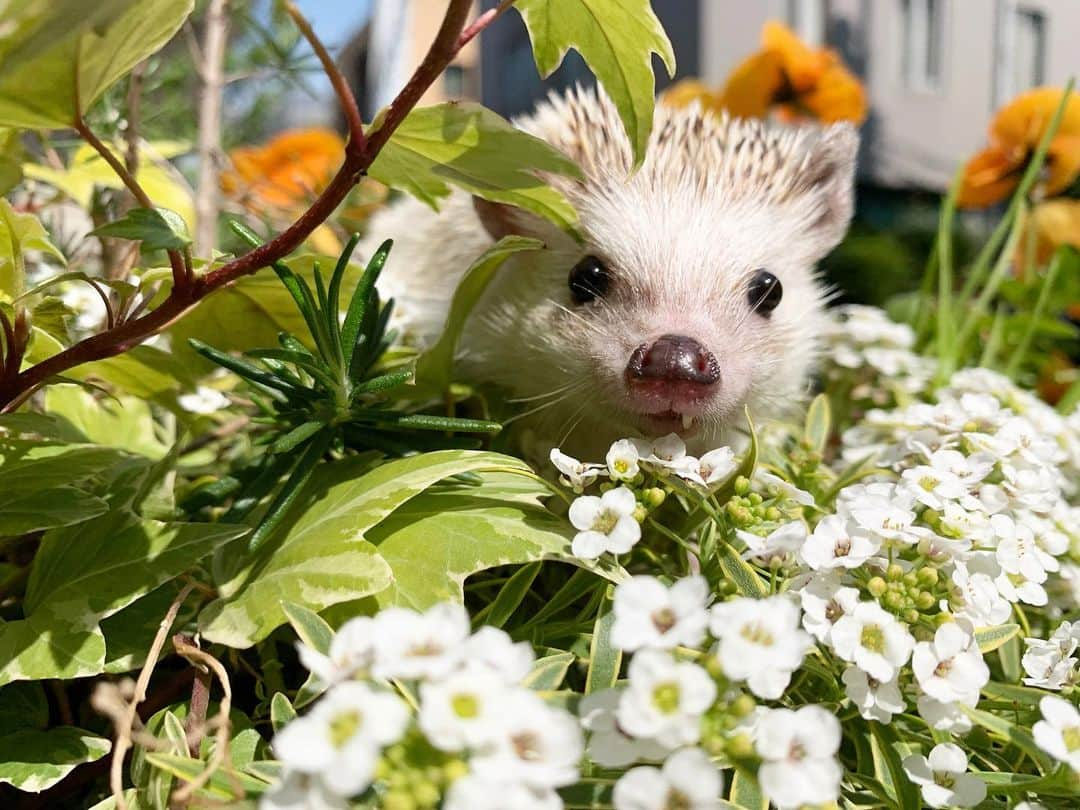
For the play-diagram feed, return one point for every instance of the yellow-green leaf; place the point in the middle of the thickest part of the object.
(474, 149)
(617, 39)
(990, 638)
(58, 56)
(18, 234)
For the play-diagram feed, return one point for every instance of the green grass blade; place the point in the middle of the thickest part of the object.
(359, 303)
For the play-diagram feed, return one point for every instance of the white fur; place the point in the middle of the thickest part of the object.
(716, 199)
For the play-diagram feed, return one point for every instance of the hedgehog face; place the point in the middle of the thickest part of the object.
(693, 293)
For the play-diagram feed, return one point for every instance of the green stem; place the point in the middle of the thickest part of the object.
(1043, 301)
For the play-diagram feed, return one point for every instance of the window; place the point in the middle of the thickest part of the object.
(808, 18)
(1023, 52)
(922, 62)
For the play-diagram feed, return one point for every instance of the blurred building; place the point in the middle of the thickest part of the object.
(935, 70)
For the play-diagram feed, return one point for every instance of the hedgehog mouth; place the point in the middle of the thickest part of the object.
(661, 423)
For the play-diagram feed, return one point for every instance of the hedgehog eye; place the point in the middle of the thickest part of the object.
(765, 292)
(589, 279)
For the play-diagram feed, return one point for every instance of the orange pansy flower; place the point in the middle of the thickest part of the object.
(1052, 224)
(786, 78)
(994, 173)
(287, 172)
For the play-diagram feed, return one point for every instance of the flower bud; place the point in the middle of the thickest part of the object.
(925, 600)
(740, 747)
(742, 485)
(877, 587)
(928, 576)
(640, 513)
(743, 705)
(894, 573)
(653, 497)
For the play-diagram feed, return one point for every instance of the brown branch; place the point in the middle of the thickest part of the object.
(125, 729)
(360, 152)
(209, 147)
(131, 131)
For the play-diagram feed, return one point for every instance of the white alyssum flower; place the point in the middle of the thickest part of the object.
(777, 486)
(535, 745)
(875, 700)
(604, 523)
(950, 668)
(873, 639)
(473, 792)
(609, 746)
(824, 600)
(493, 649)
(648, 614)
(301, 791)
(668, 453)
(760, 642)
(575, 474)
(688, 780)
(948, 717)
(1051, 664)
(340, 739)
(932, 486)
(622, 460)
(837, 543)
(943, 777)
(781, 543)
(983, 604)
(883, 510)
(798, 749)
(712, 468)
(665, 699)
(352, 650)
(1058, 733)
(1021, 557)
(419, 645)
(203, 400)
(459, 711)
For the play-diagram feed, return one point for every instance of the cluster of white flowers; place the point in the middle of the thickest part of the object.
(863, 343)
(471, 705)
(662, 710)
(1052, 663)
(611, 522)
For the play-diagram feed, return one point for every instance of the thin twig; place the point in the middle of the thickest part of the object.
(200, 702)
(482, 22)
(360, 153)
(349, 108)
(185, 648)
(180, 277)
(211, 72)
(131, 131)
(124, 731)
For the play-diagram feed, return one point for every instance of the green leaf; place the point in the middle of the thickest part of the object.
(281, 712)
(511, 595)
(59, 56)
(818, 423)
(125, 422)
(23, 705)
(888, 765)
(33, 760)
(1023, 695)
(617, 39)
(309, 626)
(435, 366)
(740, 572)
(438, 539)
(605, 659)
(85, 573)
(547, 673)
(746, 793)
(471, 147)
(156, 228)
(130, 632)
(18, 234)
(221, 785)
(990, 638)
(1009, 732)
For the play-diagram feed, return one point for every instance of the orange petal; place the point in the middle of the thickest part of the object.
(989, 177)
(802, 64)
(838, 96)
(288, 170)
(1020, 124)
(1056, 223)
(752, 86)
(1063, 163)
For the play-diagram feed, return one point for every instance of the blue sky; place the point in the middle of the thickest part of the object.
(335, 20)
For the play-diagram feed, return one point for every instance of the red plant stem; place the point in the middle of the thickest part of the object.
(482, 22)
(360, 153)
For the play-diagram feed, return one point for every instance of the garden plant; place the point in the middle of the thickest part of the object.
(259, 550)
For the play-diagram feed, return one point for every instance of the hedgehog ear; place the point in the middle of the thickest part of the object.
(831, 170)
(501, 220)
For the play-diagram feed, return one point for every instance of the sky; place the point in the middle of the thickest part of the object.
(335, 20)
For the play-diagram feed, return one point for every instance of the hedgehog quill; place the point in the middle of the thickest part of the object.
(693, 294)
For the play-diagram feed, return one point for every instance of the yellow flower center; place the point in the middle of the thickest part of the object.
(465, 706)
(756, 634)
(665, 697)
(344, 727)
(1071, 736)
(605, 522)
(873, 638)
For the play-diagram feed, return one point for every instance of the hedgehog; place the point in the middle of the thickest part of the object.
(691, 296)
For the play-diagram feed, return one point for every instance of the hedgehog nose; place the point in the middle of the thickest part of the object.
(674, 358)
